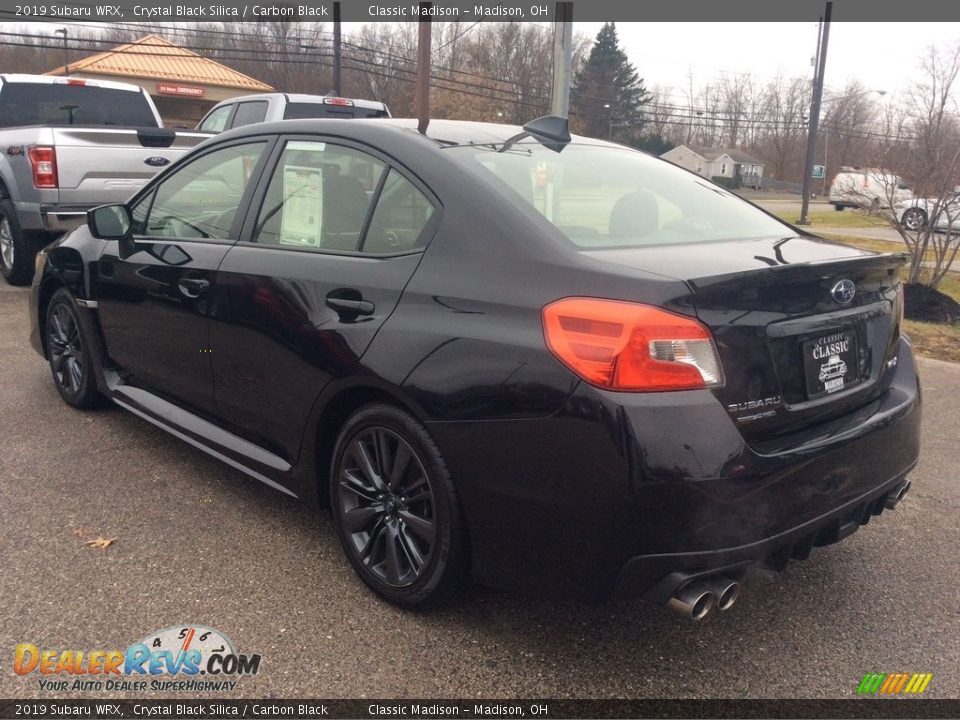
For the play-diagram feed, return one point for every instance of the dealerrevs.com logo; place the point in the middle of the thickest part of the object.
(199, 658)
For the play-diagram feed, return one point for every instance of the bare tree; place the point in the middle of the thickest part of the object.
(930, 226)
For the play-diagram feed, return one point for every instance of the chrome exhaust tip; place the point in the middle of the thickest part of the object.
(695, 601)
(894, 498)
(726, 591)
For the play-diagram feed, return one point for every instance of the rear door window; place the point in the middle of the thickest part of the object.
(319, 197)
(401, 215)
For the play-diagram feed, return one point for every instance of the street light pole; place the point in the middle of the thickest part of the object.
(609, 107)
(815, 117)
(66, 65)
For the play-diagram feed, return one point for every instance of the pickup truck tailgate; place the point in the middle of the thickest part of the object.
(104, 165)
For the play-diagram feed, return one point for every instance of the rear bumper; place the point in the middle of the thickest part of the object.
(658, 577)
(55, 219)
(618, 491)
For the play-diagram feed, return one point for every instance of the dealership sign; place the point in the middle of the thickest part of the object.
(187, 90)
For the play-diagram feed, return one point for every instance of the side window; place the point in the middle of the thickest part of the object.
(401, 214)
(318, 198)
(217, 120)
(249, 113)
(200, 200)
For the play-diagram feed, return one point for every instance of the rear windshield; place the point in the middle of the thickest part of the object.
(614, 197)
(301, 111)
(40, 104)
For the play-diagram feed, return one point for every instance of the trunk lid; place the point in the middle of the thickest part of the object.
(796, 349)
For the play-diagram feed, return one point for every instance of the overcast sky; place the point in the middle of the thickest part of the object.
(882, 56)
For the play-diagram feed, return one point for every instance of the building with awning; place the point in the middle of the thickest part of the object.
(183, 84)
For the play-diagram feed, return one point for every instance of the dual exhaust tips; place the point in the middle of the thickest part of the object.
(702, 597)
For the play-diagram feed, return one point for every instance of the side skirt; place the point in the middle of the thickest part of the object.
(213, 440)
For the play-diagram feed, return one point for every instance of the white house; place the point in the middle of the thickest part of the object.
(714, 162)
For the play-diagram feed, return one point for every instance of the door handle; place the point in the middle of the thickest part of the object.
(194, 286)
(351, 307)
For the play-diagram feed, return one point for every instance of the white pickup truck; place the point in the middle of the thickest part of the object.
(67, 145)
(268, 107)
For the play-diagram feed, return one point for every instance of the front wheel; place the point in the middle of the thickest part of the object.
(395, 509)
(913, 219)
(68, 352)
(17, 248)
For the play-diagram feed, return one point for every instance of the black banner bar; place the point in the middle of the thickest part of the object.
(365, 11)
(496, 709)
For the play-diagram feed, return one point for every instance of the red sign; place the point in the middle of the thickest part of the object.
(180, 90)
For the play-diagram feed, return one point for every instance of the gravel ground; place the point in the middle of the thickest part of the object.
(197, 542)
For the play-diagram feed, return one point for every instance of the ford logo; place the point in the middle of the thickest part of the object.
(156, 161)
(843, 291)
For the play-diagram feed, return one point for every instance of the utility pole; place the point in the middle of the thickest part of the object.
(66, 65)
(423, 68)
(814, 125)
(336, 48)
(562, 54)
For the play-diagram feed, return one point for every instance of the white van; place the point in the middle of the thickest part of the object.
(868, 188)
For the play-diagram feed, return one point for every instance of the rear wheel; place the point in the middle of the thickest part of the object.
(913, 219)
(68, 352)
(17, 248)
(395, 509)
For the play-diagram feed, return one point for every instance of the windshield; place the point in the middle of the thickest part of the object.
(41, 104)
(601, 196)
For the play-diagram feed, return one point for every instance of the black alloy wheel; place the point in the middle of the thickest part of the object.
(395, 509)
(67, 352)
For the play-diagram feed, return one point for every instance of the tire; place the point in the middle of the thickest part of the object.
(404, 533)
(17, 248)
(913, 219)
(69, 352)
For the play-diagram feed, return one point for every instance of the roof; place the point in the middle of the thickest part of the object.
(151, 57)
(713, 153)
(47, 80)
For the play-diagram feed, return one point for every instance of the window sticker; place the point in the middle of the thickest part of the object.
(302, 220)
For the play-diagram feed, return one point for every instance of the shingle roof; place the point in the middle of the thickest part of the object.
(154, 58)
(713, 153)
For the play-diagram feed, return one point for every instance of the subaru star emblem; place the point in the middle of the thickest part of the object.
(156, 161)
(844, 291)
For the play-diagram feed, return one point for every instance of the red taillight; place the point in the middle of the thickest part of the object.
(76, 81)
(43, 160)
(629, 346)
(338, 101)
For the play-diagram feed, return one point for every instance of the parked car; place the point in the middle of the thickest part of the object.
(70, 145)
(867, 188)
(268, 107)
(608, 381)
(915, 213)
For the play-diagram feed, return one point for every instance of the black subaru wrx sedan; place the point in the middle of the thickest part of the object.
(497, 353)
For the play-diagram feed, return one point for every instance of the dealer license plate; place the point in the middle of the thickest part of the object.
(830, 363)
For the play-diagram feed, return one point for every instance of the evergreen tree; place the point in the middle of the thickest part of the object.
(608, 94)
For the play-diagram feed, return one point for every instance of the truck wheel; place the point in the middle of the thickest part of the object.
(17, 248)
(913, 219)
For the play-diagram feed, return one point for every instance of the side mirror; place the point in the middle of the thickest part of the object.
(110, 222)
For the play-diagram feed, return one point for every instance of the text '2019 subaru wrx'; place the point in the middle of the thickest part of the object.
(497, 353)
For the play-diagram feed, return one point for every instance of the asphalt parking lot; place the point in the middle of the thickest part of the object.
(198, 542)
